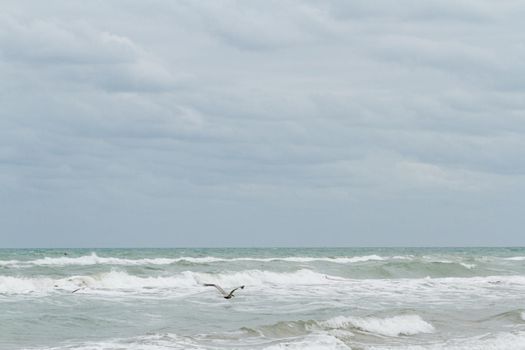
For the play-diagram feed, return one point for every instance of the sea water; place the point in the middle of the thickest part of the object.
(345, 298)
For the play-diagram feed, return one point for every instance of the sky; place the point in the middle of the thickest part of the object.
(262, 123)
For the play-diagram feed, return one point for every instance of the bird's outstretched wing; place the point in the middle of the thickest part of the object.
(234, 289)
(218, 288)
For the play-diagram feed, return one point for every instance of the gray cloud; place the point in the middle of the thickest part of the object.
(281, 119)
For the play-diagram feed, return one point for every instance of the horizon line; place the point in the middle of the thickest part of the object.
(272, 247)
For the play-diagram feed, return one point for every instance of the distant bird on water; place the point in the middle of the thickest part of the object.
(223, 292)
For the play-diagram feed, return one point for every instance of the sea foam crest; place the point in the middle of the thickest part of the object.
(94, 259)
(390, 326)
(516, 258)
(499, 341)
(16, 285)
(278, 282)
(185, 280)
(312, 342)
(108, 280)
(258, 277)
(149, 342)
(174, 342)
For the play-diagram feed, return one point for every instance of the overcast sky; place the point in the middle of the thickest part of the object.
(262, 123)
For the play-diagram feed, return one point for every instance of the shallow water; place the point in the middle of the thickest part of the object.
(380, 298)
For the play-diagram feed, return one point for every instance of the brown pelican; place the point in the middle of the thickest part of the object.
(223, 292)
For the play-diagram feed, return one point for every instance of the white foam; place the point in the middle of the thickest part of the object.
(16, 285)
(450, 262)
(301, 283)
(390, 326)
(9, 262)
(468, 266)
(523, 315)
(319, 341)
(94, 259)
(122, 280)
(118, 280)
(113, 280)
(258, 277)
(403, 257)
(500, 341)
(149, 342)
(516, 258)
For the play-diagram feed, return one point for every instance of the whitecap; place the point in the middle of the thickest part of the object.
(304, 283)
(172, 341)
(21, 285)
(320, 341)
(148, 342)
(187, 280)
(516, 258)
(259, 277)
(500, 341)
(391, 326)
(94, 259)
(468, 266)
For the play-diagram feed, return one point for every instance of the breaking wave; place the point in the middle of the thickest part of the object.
(175, 342)
(499, 341)
(312, 342)
(301, 282)
(344, 326)
(390, 326)
(367, 266)
(187, 279)
(94, 259)
(516, 258)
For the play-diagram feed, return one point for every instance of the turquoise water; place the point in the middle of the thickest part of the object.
(344, 298)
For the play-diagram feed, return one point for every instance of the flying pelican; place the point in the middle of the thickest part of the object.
(223, 292)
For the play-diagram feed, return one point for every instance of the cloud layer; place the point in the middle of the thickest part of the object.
(262, 123)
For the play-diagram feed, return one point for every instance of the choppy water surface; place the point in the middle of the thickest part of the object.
(294, 299)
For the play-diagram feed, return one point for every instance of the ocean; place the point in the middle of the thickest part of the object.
(294, 298)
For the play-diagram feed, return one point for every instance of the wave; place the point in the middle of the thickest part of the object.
(499, 341)
(511, 316)
(16, 285)
(147, 342)
(516, 258)
(311, 342)
(186, 279)
(365, 266)
(110, 280)
(332, 334)
(304, 281)
(390, 326)
(344, 326)
(172, 341)
(94, 259)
